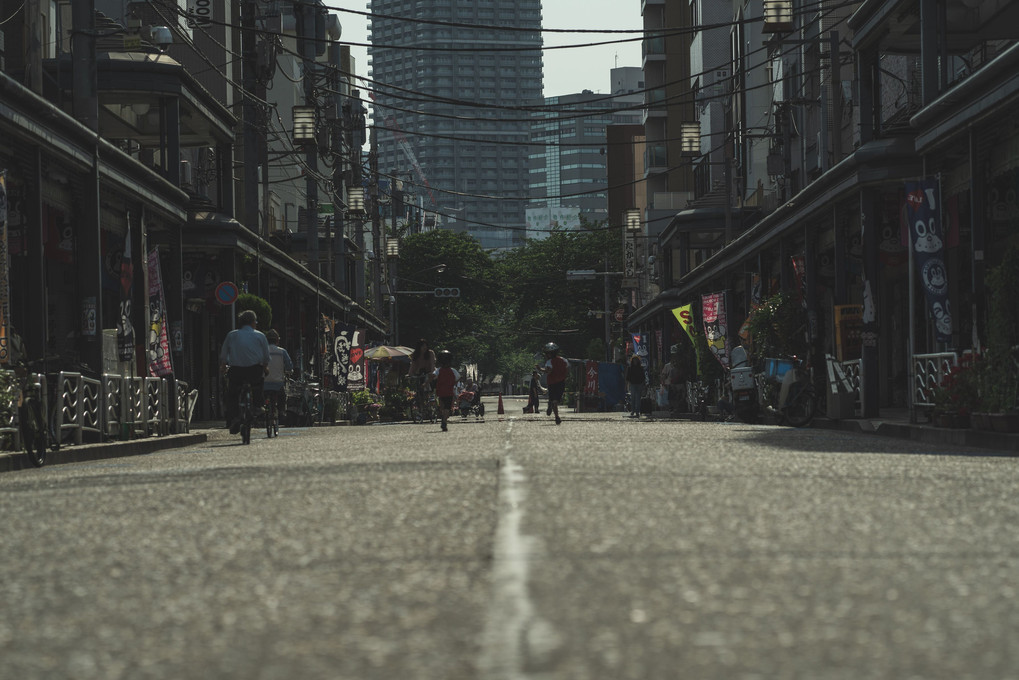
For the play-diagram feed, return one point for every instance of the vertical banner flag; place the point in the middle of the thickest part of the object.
(716, 326)
(800, 270)
(329, 367)
(159, 335)
(926, 236)
(343, 338)
(125, 330)
(5, 277)
(684, 315)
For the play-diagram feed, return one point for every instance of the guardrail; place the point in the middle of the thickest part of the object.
(113, 407)
(928, 372)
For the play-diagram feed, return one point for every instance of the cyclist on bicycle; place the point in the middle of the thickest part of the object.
(280, 367)
(246, 352)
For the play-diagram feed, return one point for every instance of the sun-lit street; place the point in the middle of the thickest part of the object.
(512, 548)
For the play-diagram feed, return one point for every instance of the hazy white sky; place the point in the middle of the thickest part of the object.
(566, 70)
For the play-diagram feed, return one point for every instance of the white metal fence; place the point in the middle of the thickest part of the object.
(114, 407)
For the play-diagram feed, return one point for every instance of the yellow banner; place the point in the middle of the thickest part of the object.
(684, 315)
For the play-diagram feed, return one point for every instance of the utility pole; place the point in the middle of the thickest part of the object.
(608, 327)
(376, 224)
(249, 63)
(86, 111)
(306, 34)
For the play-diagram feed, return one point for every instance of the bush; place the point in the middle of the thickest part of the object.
(259, 305)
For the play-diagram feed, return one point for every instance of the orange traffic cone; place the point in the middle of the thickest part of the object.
(500, 409)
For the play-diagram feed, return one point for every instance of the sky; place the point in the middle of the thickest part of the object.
(567, 70)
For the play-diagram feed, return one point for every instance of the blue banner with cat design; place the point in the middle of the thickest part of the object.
(927, 239)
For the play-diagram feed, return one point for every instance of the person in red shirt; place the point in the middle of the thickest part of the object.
(446, 378)
(556, 367)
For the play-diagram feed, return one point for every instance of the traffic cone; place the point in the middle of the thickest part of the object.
(500, 409)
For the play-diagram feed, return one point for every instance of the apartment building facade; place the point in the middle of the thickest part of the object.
(451, 107)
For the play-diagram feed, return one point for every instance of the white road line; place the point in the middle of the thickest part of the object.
(514, 637)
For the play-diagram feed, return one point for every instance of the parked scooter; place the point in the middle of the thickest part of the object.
(745, 401)
(795, 400)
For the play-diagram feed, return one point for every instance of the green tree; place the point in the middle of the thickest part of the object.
(465, 325)
(543, 306)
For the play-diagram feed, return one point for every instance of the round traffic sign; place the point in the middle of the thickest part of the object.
(226, 293)
(619, 314)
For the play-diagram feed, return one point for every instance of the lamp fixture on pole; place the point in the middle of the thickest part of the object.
(392, 247)
(304, 124)
(355, 199)
(633, 220)
(690, 138)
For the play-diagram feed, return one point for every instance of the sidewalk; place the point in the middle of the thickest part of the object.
(18, 460)
(895, 423)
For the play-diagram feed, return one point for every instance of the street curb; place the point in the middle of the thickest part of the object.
(927, 434)
(11, 461)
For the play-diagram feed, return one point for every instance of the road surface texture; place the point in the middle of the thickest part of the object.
(604, 548)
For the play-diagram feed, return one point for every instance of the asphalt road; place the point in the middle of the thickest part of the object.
(600, 549)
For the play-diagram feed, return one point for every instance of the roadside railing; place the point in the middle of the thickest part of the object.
(928, 372)
(113, 407)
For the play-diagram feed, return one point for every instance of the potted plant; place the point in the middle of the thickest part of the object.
(359, 402)
(957, 396)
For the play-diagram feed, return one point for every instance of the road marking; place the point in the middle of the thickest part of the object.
(515, 638)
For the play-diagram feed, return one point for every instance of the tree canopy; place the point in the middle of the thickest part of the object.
(511, 303)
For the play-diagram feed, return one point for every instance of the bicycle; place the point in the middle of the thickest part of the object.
(32, 424)
(246, 412)
(424, 403)
(272, 418)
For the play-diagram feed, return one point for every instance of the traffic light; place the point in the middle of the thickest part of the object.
(447, 292)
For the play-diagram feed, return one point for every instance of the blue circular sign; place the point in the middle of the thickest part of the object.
(226, 293)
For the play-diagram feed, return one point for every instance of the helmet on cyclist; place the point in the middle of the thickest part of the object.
(551, 349)
(445, 358)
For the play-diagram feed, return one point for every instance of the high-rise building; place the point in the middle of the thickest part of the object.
(453, 83)
(568, 161)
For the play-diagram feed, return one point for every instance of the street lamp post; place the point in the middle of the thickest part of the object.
(393, 257)
(306, 40)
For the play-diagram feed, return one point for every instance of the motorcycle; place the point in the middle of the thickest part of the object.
(782, 389)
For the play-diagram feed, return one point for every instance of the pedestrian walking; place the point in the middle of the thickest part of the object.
(446, 378)
(635, 383)
(535, 392)
(556, 369)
